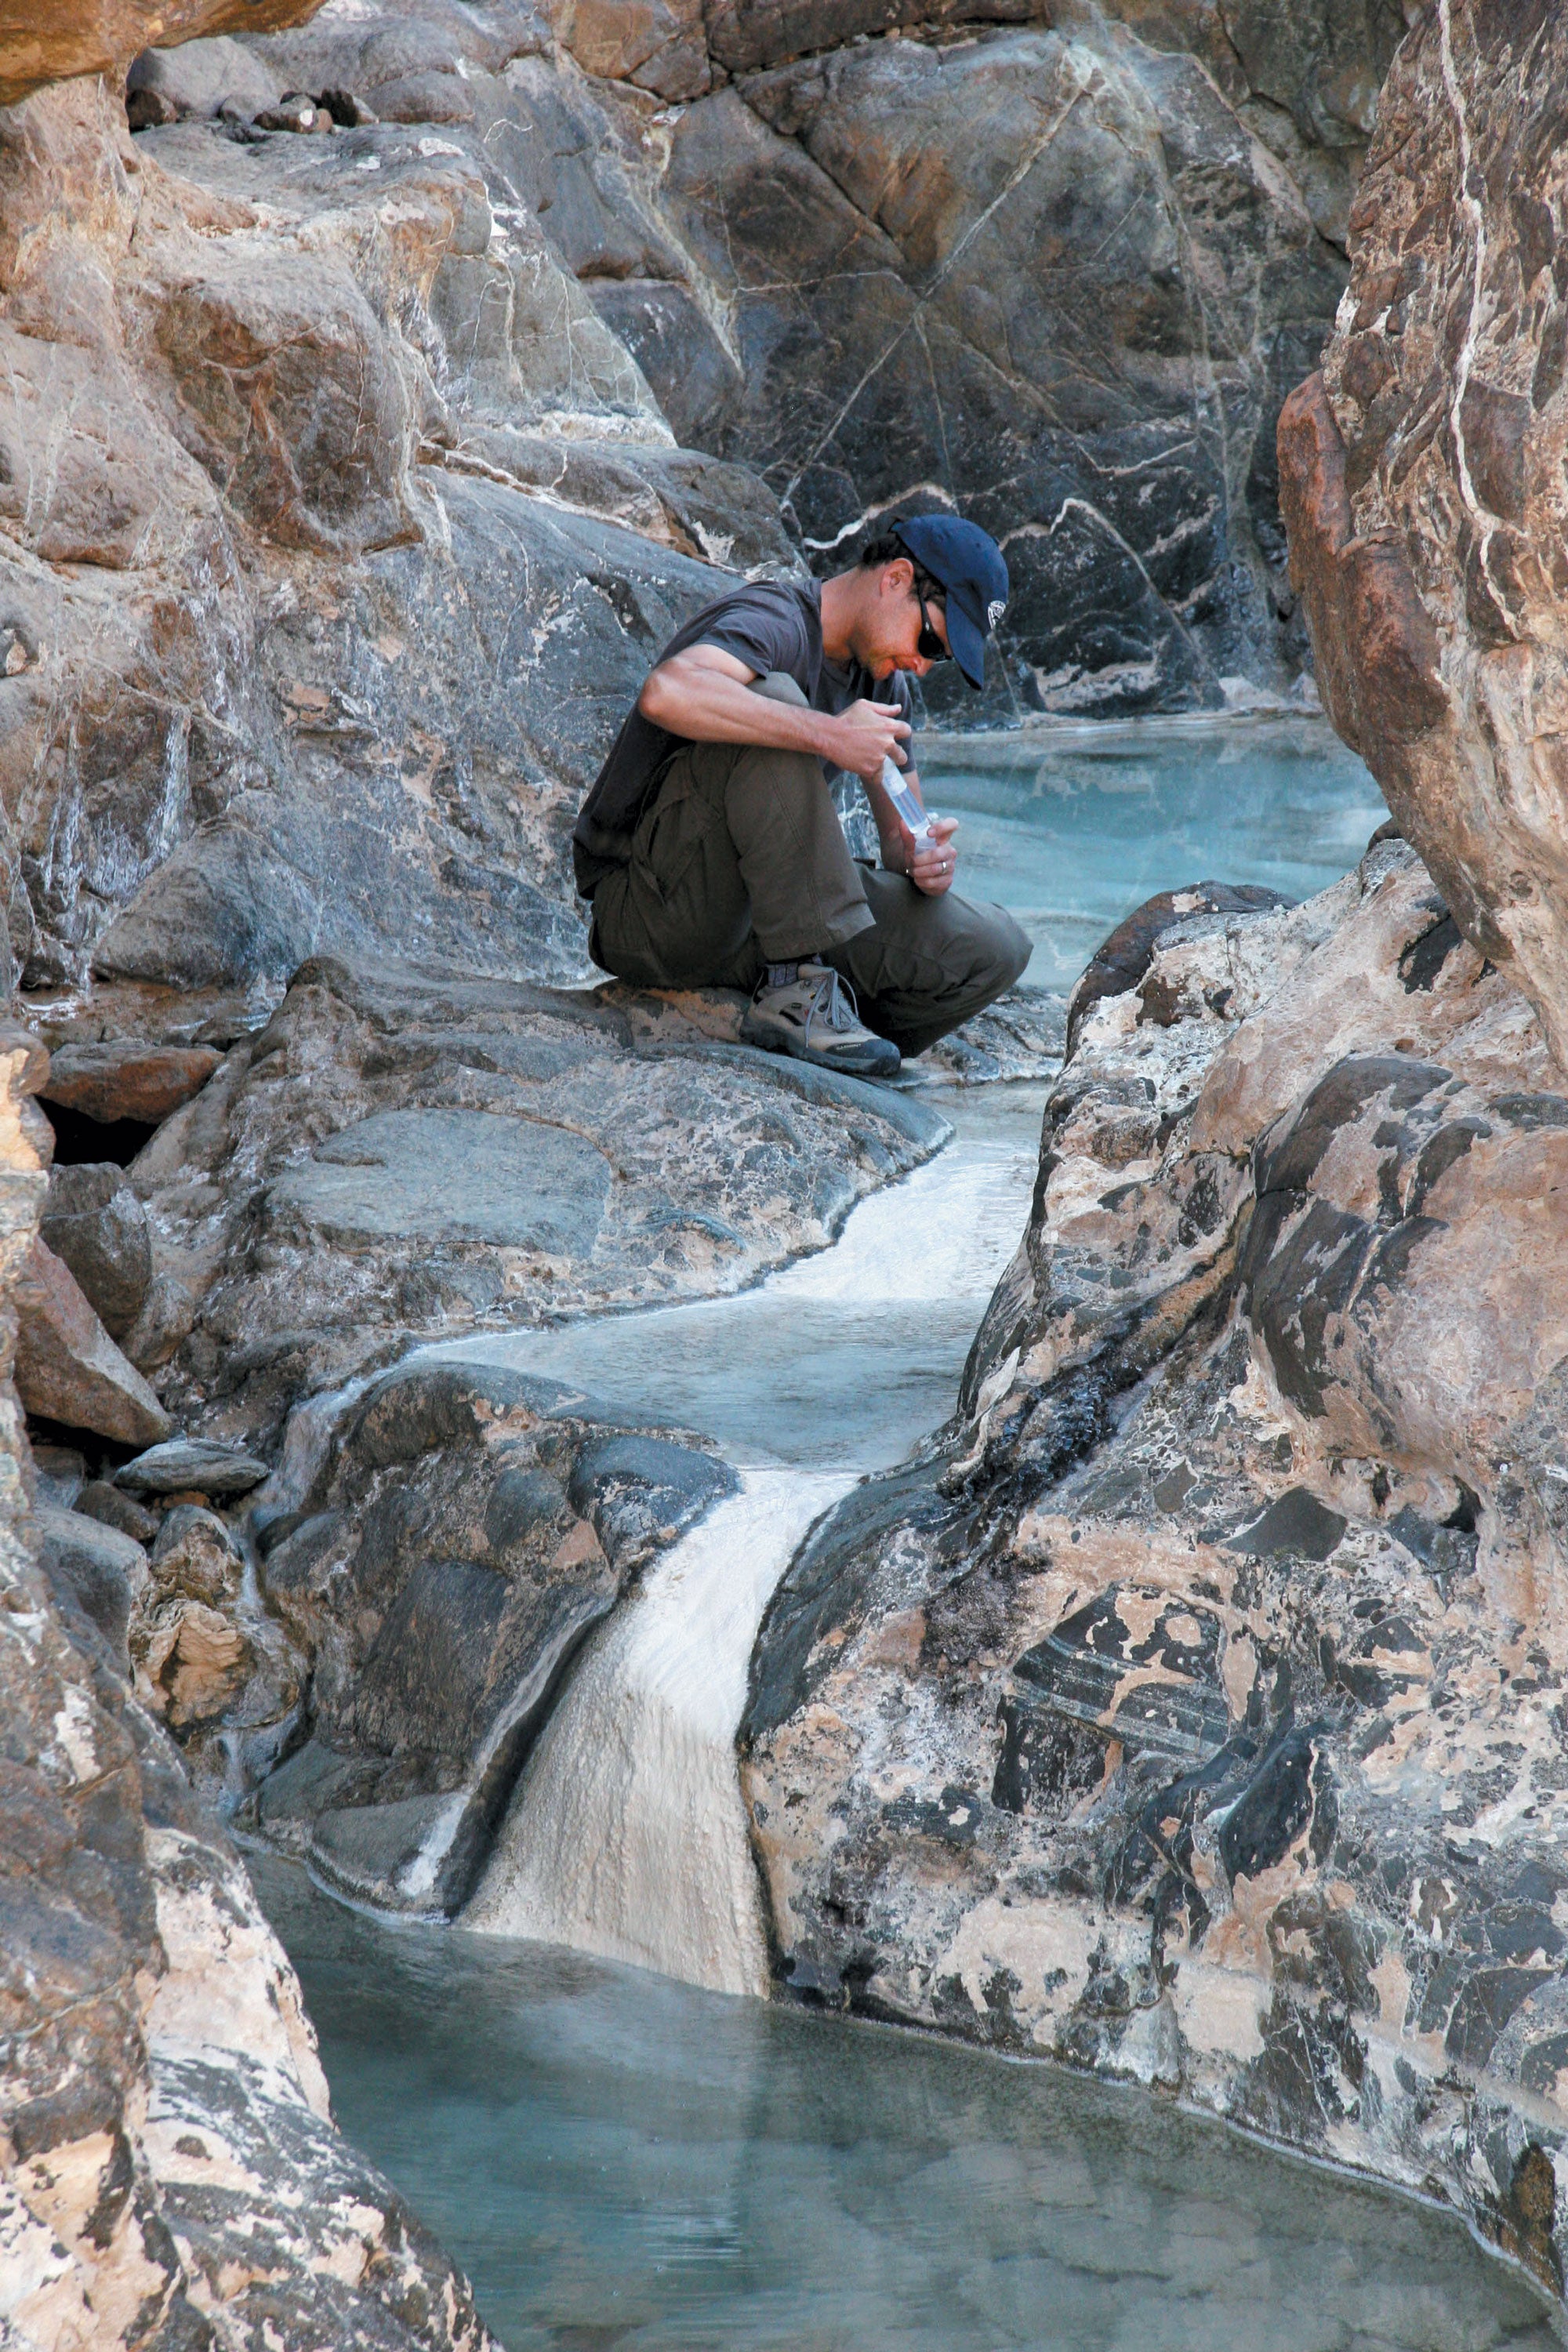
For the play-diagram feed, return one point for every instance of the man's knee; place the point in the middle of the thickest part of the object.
(1007, 949)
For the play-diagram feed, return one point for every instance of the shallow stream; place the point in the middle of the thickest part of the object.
(618, 2159)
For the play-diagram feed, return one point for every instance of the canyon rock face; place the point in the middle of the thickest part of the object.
(1189, 1709)
(344, 498)
(170, 2173)
(1422, 480)
(1058, 275)
(320, 598)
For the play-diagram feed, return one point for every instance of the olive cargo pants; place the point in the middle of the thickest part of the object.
(741, 862)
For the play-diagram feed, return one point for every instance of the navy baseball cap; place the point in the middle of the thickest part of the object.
(969, 564)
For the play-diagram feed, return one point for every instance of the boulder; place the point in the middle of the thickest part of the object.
(99, 1500)
(201, 77)
(68, 38)
(196, 1554)
(398, 1156)
(1187, 1709)
(1421, 476)
(68, 1369)
(127, 1078)
(191, 1466)
(463, 1531)
(643, 1493)
(190, 1660)
(95, 1225)
(96, 1573)
(60, 1472)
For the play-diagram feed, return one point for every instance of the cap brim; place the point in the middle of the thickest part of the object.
(965, 643)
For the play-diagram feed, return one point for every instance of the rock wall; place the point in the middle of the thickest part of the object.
(344, 499)
(1422, 479)
(1189, 1709)
(315, 631)
(1056, 270)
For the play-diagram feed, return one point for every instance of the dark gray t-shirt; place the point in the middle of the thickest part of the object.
(770, 625)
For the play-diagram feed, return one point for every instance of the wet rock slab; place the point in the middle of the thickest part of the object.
(1188, 1709)
(397, 1157)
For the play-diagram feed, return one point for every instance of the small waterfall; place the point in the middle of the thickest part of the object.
(626, 1835)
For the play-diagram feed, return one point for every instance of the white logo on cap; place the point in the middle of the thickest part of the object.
(995, 610)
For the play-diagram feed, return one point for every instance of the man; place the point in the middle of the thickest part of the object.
(710, 847)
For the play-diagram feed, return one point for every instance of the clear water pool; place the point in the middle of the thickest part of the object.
(1071, 828)
(625, 2165)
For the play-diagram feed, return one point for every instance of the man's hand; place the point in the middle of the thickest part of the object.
(929, 867)
(859, 738)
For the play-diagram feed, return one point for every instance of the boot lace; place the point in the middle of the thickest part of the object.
(834, 1002)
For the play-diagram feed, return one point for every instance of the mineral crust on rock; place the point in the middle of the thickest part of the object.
(1189, 1709)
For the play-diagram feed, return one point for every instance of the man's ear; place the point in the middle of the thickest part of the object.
(898, 577)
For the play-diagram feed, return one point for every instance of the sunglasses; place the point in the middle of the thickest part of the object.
(928, 645)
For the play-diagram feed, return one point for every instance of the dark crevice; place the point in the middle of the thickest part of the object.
(81, 1141)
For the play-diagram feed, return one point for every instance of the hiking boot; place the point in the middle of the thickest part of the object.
(815, 1017)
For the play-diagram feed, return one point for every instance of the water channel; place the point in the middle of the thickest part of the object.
(621, 2157)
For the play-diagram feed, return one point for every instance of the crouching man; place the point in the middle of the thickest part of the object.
(710, 846)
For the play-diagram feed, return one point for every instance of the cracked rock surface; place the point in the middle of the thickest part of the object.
(1057, 276)
(1189, 1709)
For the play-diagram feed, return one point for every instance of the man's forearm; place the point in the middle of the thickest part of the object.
(719, 710)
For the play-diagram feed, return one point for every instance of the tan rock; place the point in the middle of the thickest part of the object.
(68, 1369)
(125, 1078)
(191, 1660)
(64, 37)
